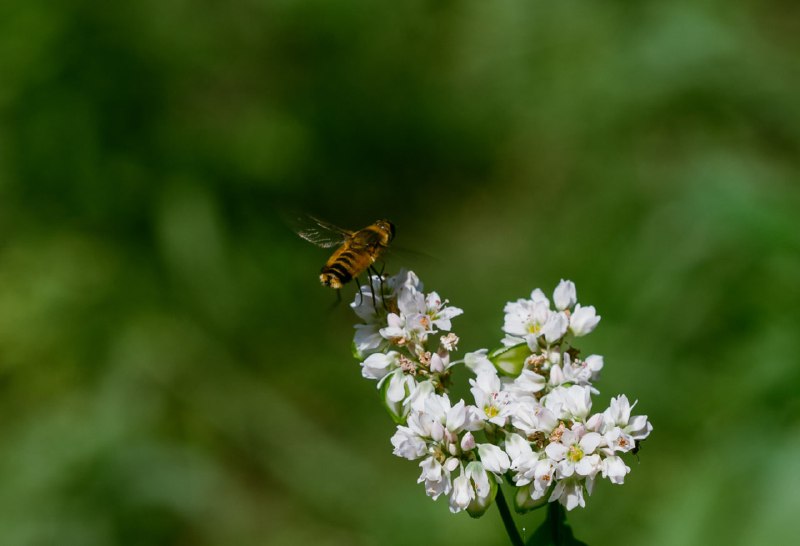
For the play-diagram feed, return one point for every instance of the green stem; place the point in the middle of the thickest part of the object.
(555, 515)
(508, 521)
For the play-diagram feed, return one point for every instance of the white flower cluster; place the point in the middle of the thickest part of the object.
(532, 398)
(400, 322)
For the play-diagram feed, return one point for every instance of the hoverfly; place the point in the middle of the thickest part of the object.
(357, 252)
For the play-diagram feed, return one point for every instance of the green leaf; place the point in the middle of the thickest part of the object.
(554, 530)
(510, 360)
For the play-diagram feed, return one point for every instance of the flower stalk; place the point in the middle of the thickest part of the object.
(508, 520)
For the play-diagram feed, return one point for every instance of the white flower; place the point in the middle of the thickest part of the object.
(526, 317)
(490, 399)
(468, 442)
(438, 312)
(377, 365)
(554, 327)
(463, 493)
(436, 476)
(399, 387)
(473, 490)
(618, 440)
(530, 417)
(396, 331)
(569, 493)
(416, 400)
(618, 414)
(479, 363)
(529, 466)
(368, 303)
(569, 403)
(367, 339)
(434, 431)
(526, 384)
(582, 372)
(564, 295)
(407, 444)
(537, 296)
(583, 320)
(574, 452)
(493, 458)
(615, 469)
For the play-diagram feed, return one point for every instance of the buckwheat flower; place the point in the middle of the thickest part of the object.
(569, 403)
(436, 476)
(490, 399)
(377, 365)
(485, 486)
(363, 304)
(574, 452)
(531, 468)
(494, 459)
(398, 386)
(526, 317)
(615, 469)
(537, 296)
(526, 384)
(618, 440)
(439, 312)
(396, 330)
(582, 372)
(479, 362)
(583, 320)
(532, 419)
(618, 414)
(468, 442)
(564, 295)
(367, 339)
(443, 428)
(569, 493)
(554, 327)
(408, 444)
(416, 399)
(463, 493)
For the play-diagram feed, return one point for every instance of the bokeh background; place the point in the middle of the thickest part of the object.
(171, 372)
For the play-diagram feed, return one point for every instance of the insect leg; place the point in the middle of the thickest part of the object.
(360, 293)
(371, 270)
(338, 299)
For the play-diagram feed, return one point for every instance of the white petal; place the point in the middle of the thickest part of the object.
(407, 444)
(493, 458)
(556, 451)
(555, 327)
(468, 442)
(590, 441)
(583, 320)
(564, 295)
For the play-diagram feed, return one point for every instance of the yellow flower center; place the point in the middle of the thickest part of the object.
(490, 411)
(575, 453)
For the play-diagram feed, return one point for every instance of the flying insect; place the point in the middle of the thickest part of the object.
(357, 250)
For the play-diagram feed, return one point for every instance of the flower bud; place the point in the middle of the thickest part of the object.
(583, 320)
(485, 489)
(564, 295)
(468, 442)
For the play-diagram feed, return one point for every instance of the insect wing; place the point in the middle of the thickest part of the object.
(319, 232)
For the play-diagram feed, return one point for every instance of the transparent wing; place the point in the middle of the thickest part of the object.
(319, 232)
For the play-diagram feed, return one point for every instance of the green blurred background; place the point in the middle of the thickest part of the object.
(170, 369)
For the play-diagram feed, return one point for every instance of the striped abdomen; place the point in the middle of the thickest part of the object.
(356, 254)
